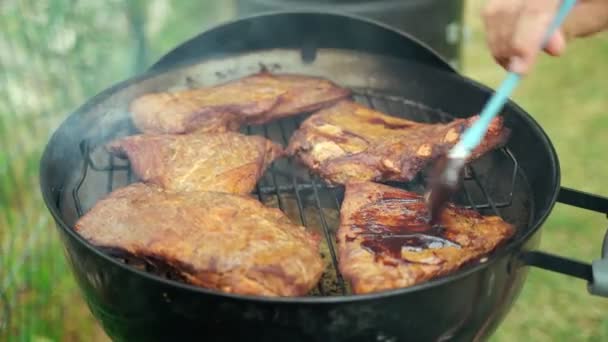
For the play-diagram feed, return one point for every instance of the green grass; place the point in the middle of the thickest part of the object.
(55, 54)
(40, 83)
(568, 97)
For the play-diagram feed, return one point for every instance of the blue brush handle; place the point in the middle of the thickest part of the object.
(472, 137)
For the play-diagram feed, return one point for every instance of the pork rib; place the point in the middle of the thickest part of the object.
(222, 162)
(221, 241)
(384, 240)
(255, 99)
(351, 142)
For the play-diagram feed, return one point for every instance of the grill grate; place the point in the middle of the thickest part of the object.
(305, 198)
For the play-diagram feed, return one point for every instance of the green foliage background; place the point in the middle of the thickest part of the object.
(55, 54)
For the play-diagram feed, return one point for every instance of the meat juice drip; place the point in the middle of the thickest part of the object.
(379, 121)
(343, 137)
(393, 245)
(396, 222)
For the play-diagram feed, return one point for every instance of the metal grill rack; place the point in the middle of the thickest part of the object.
(307, 199)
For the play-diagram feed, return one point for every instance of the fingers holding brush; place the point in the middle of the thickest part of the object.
(516, 28)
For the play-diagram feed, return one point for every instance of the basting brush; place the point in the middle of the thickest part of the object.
(448, 170)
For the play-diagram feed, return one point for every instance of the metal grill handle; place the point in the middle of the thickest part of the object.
(595, 273)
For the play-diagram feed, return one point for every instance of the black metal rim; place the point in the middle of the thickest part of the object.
(351, 5)
(511, 248)
(159, 63)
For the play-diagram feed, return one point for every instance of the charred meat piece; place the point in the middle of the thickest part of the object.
(300, 94)
(221, 241)
(349, 141)
(384, 240)
(255, 99)
(222, 162)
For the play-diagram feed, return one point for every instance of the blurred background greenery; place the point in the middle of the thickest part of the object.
(55, 54)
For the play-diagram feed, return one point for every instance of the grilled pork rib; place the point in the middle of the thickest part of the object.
(255, 99)
(222, 162)
(221, 241)
(351, 142)
(384, 240)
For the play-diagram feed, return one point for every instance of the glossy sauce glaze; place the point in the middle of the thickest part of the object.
(395, 222)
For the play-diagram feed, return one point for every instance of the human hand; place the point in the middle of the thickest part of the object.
(515, 28)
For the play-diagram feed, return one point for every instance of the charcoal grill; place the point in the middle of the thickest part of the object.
(137, 300)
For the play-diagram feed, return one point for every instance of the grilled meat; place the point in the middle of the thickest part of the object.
(349, 141)
(384, 240)
(255, 99)
(223, 162)
(221, 241)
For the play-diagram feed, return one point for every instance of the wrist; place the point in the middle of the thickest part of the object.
(587, 18)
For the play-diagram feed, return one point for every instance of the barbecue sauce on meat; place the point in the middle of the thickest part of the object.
(395, 222)
(385, 240)
(379, 121)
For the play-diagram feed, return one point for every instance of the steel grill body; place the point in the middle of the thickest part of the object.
(149, 294)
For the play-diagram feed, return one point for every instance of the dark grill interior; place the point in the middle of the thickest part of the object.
(308, 201)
